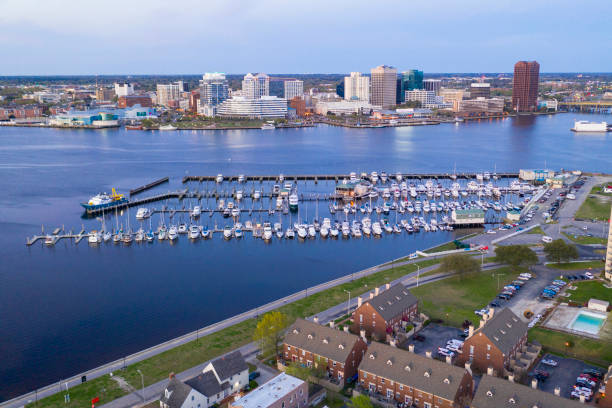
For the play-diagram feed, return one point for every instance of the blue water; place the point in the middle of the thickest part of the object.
(587, 322)
(69, 308)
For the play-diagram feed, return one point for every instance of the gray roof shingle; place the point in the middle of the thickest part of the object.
(321, 340)
(206, 384)
(393, 301)
(410, 369)
(230, 364)
(178, 393)
(504, 330)
(499, 393)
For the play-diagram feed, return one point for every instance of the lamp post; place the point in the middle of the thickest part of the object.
(348, 305)
(142, 378)
(418, 273)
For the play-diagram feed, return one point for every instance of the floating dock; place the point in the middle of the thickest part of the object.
(149, 186)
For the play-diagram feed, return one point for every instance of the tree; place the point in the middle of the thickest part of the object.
(360, 401)
(516, 255)
(560, 251)
(269, 331)
(302, 372)
(460, 264)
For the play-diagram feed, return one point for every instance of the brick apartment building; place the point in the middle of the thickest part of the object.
(402, 376)
(282, 391)
(499, 338)
(313, 345)
(384, 311)
(131, 100)
(21, 112)
(605, 390)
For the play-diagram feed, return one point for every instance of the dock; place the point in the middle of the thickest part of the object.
(149, 186)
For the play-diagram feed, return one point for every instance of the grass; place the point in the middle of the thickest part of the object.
(536, 230)
(213, 345)
(596, 351)
(573, 266)
(594, 208)
(455, 299)
(586, 290)
(584, 239)
(449, 246)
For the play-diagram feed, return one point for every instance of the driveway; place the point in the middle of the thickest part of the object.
(435, 336)
(564, 375)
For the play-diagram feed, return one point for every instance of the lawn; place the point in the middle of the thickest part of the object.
(594, 207)
(208, 347)
(585, 240)
(455, 299)
(573, 266)
(536, 230)
(595, 351)
(449, 246)
(590, 289)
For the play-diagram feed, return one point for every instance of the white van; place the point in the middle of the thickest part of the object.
(546, 239)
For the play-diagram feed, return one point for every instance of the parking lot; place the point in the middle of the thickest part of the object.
(435, 336)
(564, 375)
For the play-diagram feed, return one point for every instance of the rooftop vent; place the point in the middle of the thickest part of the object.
(310, 336)
(427, 373)
(490, 393)
(389, 362)
(372, 356)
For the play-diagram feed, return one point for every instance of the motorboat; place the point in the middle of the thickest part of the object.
(49, 240)
(398, 177)
(235, 212)
(93, 238)
(293, 202)
(376, 229)
(241, 178)
(289, 234)
(140, 235)
(194, 232)
(167, 127)
(173, 233)
(127, 238)
(182, 228)
(205, 233)
(219, 178)
(196, 211)
(302, 233)
(311, 231)
(324, 232)
(161, 233)
(256, 195)
(239, 194)
(238, 232)
(267, 232)
(383, 177)
(142, 213)
(227, 232)
(374, 177)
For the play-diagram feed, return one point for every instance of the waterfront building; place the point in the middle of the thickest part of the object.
(132, 100)
(194, 98)
(124, 89)
(525, 86)
(336, 352)
(169, 94)
(432, 85)
(411, 80)
(402, 376)
(263, 107)
(255, 86)
(548, 104)
(608, 267)
(468, 217)
(21, 112)
(104, 94)
(384, 311)
(428, 99)
(452, 96)
(213, 88)
(138, 112)
(357, 87)
(384, 86)
(480, 90)
(79, 119)
(282, 391)
(342, 107)
(482, 105)
(299, 104)
(293, 88)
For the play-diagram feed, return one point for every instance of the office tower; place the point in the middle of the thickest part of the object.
(432, 85)
(213, 88)
(294, 88)
(167, 93)
(384, 86)
(480, 90)
(255, 86)
(525, 86)
(357, 87)
(125, 89)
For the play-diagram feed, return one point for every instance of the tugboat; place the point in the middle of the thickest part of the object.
(104, 200)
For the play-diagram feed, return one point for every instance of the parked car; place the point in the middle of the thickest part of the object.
(445, 352)
(593, 372)
(585, 383)
(495, 303)
(550, 362)
(254, 375)
(503, 296)
(546, 239)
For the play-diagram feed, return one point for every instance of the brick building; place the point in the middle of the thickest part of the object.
(405, 377)
(299, 105)
(495, 343)
(605, 390)
(384, 311)
(131, 100)
(313, 345)
(21, 112)
(525, 86)
(282, 391)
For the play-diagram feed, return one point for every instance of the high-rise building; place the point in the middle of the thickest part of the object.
(169, 94)
(124, 89)
(294, 88)
(432, 85)
(104, 94)
(608, 267)
(409, 81)
(255, 86)
(480, 90)
(357, 87)
(213, 88)
(384, 86)
(525, 86)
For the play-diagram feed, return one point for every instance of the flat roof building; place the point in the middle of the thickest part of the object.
(432, 85)
(282, 391)
(255, 86)
(263, 107)
(384, 86)
(480, 90)
(357, 87)
(293, 88)
(525, 86)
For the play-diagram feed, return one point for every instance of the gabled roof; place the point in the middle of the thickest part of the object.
(321, 340)
(229, 365)
(175, 393)
(504, 330)
(413, 370)
(207, 384)
(499, 393)
(393, 301)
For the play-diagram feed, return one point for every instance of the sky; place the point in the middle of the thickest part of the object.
(80, 37)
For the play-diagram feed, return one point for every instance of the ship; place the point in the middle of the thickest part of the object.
(133, 127)
(586, 126)
(104, 200)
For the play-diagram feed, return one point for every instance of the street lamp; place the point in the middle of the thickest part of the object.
(348, 305)
(142, 378)
(418, 273)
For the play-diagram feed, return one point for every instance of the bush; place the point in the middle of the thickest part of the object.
(426, 323)
(409, 327)
(253, 384)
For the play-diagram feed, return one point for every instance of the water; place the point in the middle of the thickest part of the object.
(69, 308)
(588, 322)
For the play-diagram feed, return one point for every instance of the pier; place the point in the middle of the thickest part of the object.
(156, 183)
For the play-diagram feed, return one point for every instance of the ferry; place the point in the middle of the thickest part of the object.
(586, 126)
(104, 200)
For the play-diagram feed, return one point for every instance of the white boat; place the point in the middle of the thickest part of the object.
(161, 233)
(106, 236)
(219, 178)
(238, 232)
(235, 212)
(194, 232)
(140, 235)
(383, 177)
(398, 177)
(196, 211)
(182, 228)
(374, 177)
(49, 240)
(142, 213)
(227, 232)
(206, 233)
(173, 233)
(93, 237)
(311, 231)
(289, 234)
(333, 231)
(293, 202)
(268, 126)
(324, 232)
(586, 126)
(267, 233)
(241, 178)
(302, 233)
(127, 238)
(256, 195)
(239, 195)
(167, 127)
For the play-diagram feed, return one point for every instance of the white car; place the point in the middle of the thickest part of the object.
(491, 231)
(550, 362)
(445, 352)
(546, 239)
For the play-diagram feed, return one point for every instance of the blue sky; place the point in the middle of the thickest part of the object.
(52, 37)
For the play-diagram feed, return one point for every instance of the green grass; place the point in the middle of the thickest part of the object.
(586, 290)
(208, 347)
(536, 230)
(455, 299)
(573, 266)
(449, 246)
(594, 207)
(596, 351)
(585, 240)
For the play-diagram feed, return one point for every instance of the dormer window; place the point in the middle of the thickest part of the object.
(408, 367)
(372, 356)
(389, 362)
(502, 331)
(341, 346)
(296, 331)
(427, 373)
(512, 400)
(389, 302)
(496, 338)
(447, 380)
(325, 341)
(397, 297)
(310, 337)
(509, 325)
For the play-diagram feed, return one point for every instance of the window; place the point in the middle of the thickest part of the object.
(365, 375)
(301, 391)
(303, 352)
(283, 404)
(334, 364)
(427, 405)
(488, 356)
(471, 350)
(488, 347)
(382, 380)
(389, 393)
(286, 354)
(408, 400)
(360, 318)
(401, 387)
(192, 397)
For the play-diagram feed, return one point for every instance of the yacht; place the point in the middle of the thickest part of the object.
(197, 210)
(227, 232)
(167, 127)
(293, 202)
(182, 228)
(267, 232)
(311, 231)
(256, 195)
(235, 212)
(93, 237)
(398, 177)
(149, 236)
(238, 232)
(49, 240)
(161, 233)
(333, 231)
(173, 233)
(374, 177)
(206, 233)
(219, 178)
(106, 236)
(383, 177)
(127, 238)
(194, 232)
(324, 231)
(301, 231)
(241, 178)
(239, 195)
(268, 126)
(289, 234)
(140, 235)
(142, 213)
(376, 229)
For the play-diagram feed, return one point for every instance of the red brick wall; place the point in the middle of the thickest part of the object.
(367, 318)
(480, 360)
(129, 101)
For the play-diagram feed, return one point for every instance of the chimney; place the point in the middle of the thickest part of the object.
(331, 324)
(482, 323)
(428, 354)
(362, 333)
(558, 391)
(171, 376)
(534, 384)
(490, 371)
(387, 286)
(316, 319)
(372, 294)
(511, 377)
(346, 328)
(411, 348)
(376, 291)
(471, 331)
(359, 301)
(392, 343)
(449, 360)
(491, 312)
(582, 398)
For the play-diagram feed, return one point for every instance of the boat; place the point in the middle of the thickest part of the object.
(324, 232)
(302, 233)
(205, 233)
(127, 238)
(267, 232)
(235, 212)
(104, 200)
(376, 229)
(182, 228)
(268, 126)
(161, 233)
(167, 127)
(106, 236)
(140, 235)
(256, 195)
(94, 237)
(219, 178)
(290, 234)
(142, 213)
(241, 178)
(49, 240)
(383, 177)
(173, 233)
(311, 231)
(293, 202)
(194, 232)
(398, 177)
(227, 232)
(586, 126)
(133, 127)
(238, 232)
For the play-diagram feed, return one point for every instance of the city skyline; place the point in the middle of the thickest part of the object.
(70, 38)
